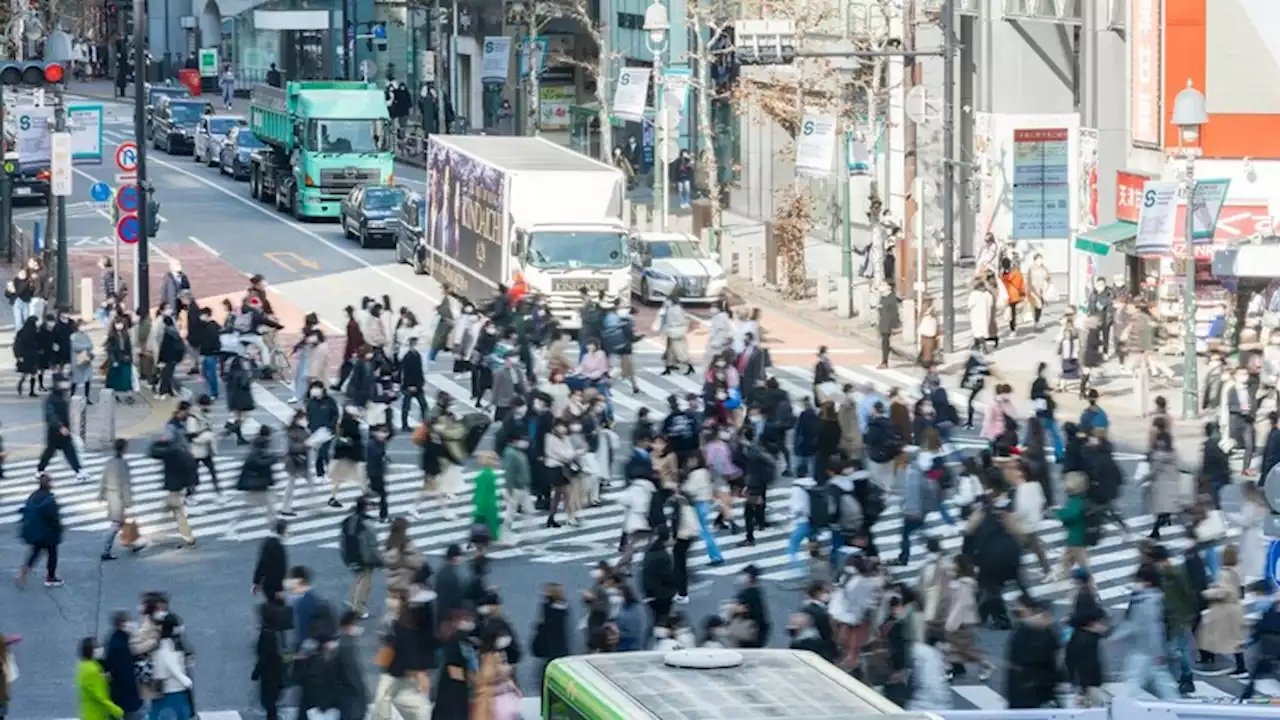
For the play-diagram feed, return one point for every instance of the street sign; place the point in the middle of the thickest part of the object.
(85, 123)
(127, 157)
(60, 167)
(127, 198)
(128, 229)
(208, 62)
(100, 192)
(126, 178)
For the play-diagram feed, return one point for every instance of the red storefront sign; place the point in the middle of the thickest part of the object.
(1129, 195)
(1237, 221)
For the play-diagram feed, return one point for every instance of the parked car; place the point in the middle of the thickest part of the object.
(174, 128)
(369, 213)
(233, 157)
(663, 262)
(210, 134)
(410, 229)
(154, 93)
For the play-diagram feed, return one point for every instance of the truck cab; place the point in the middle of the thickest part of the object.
(559, 261)
(322, 139)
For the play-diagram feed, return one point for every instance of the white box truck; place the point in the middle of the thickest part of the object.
(500, 209)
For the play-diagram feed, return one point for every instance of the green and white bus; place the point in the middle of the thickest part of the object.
(709, 684)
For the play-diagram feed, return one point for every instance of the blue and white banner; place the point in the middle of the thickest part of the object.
(535, 48)
(676, 82)
(1207, 199)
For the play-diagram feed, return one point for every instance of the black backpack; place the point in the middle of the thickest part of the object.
(784, 414)
(821, 514)
(349, 542)
(872, 501)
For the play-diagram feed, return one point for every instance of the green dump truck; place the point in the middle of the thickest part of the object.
(323, 138)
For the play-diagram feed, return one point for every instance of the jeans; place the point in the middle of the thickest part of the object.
(209, 370)
(322, 458)
(684, 192)
(1051, 428)
(802, 466)
(21, 311)
(798, 535)
(228, 92)
(1181, 649)
(1141, 672)
(408, 398)
(946, 514)
(909, 526)
(300, 376)
(1211, 561)
(703, 508)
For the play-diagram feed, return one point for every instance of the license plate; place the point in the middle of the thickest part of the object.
(22, 191)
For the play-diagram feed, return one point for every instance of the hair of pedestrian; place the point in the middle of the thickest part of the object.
(349, 618)
(282, 527)
(1148, 575)
(87, 646)
(119, 619)
(300, 573)
(120, 446)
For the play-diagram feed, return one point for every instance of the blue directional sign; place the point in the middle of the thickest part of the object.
(128, 198)
(100, 192)
(128, 229)
(380, 31)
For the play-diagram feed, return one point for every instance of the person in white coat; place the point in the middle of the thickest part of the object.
(635, 525)
(719, 333)
(855, 597)
(1252, 544)
(1028, 510)
(700, 491)
(562, 460)
(930, 689)
(169, 672)
(981, 302)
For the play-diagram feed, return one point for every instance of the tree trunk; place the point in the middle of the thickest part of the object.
(793, 210)
(709, 158)
(604, 113)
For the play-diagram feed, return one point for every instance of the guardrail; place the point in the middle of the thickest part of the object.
(1069, 714)
(1130, 709)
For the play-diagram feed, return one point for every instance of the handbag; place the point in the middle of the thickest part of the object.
(129, 534)
(1212, 527)
(384, 656)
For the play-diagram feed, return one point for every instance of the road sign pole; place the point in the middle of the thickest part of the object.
(6, 197)
(141, 281)
(64, 263)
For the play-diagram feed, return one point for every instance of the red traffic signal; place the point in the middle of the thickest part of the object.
(31, 74)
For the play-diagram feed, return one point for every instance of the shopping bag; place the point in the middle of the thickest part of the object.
(1212, 527)
(129, 534)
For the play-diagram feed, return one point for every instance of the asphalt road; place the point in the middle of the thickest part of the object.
(315, 269)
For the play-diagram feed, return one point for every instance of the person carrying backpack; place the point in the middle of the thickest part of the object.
(42, 532)
(360, 554)
(847, 518)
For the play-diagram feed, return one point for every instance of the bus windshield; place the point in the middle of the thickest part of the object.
(574, 250)
(348, 136)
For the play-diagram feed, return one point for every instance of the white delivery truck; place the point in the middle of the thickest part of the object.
(500, 209)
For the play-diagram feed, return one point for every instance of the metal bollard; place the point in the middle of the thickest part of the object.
(86, 299)
(77, 412)
(844, 303)
(106, 420)
(862, 299)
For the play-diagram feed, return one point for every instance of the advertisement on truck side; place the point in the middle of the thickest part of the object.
(466, 221)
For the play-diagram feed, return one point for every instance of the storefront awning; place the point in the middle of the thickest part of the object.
(1248, 261)
(1100, 240)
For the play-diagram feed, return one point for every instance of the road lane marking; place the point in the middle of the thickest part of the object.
(200, 243)
(280, 258)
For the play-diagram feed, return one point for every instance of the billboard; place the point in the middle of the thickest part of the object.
(1146, 54)
(465, 222)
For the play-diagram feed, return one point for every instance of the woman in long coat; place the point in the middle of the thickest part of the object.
(981, 317)
(82, 356)
(1222, 627)
(1164, 492)
(1252, 545)
(119, 357)
(26, 350)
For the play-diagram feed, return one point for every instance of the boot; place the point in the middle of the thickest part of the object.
(21, 380)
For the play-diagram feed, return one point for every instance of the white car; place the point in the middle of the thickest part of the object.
(662, 262)
(210, 134)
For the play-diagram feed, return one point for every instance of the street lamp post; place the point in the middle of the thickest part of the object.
(656, 27)
(1189, 115)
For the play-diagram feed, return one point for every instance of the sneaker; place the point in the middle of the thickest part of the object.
(292, 401)
(53, 582)
(81, 478)
(333, 503)
(106, 557)
(680, 599)
(288, 513)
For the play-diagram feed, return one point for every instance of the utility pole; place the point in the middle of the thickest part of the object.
(64, 263)
(949, 176)
(6, 190)
(143, 278)
(907, 235)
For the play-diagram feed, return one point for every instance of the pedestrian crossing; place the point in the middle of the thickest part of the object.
(595, 537)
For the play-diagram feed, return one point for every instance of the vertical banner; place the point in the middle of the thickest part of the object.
(675, 83)
(816, 144)
(1157, 219)
(632, 92)
(1207, 199)
(496, 61)
(1041, 184)
(984, 154)
(1146, 66)
(533, 50)
(1087, 181)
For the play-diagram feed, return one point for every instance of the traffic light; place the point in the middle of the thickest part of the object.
(31, 74)
(153, 217)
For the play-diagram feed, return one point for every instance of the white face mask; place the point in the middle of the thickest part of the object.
(576, 427)
(466, 626)
(99, 653)
(159, 615)
(597, 573)
(725, 435)
(316, 393)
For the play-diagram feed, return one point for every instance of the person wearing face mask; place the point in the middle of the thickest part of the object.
(199, 427)
(169, 673)
(593, 368)
(323, 416)
(91, 684)
(1242, 411)
(412, 383)
(361, 385)
(348, 455)
(508, 387)
(402, 681)
(516, 481)
(454, 684)
(562, 463)
(673, 324)
(463, 339)
(26, 350)
(239, 394)
(169, 354)
(203, 335)
(480, 357)
(57, 418)
(296, 456)
(118, 663)
(269, 671)
(20, 292)
(551, 635)
(256, 478)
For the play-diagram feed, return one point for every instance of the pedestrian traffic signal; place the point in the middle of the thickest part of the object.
(31, 74)
(153, 218)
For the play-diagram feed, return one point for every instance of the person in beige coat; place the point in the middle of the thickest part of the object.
(400, 558)
(850, 430)
(962, 621)
(1164, 491)
(116, 490)
(1222, 628)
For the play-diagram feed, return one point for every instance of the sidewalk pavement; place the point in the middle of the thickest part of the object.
(100, 90)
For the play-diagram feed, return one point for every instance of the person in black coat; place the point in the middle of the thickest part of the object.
(26, 351)
(658, 578)
(815, 606)
(453, 686)
(477, 588)
(57, 419)
(348, 453)
(551, 637)
(898, 689)
(117, 661)
(376, 467)
(360, 386)
(239, 393)
(42, 531)
(273, 563)
(1032, 664)
(759, 471)
(269, 670)
(412, 383)
(750, 605)
(1270, 450)
(887, 321)
(450, 585)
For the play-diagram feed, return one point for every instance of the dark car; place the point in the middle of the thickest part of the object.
(410, 228)
(369, 213)
(174, 127)
(154, 93)
(233, 158)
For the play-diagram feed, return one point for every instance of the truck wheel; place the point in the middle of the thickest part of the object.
(254, 189)
(294, 208)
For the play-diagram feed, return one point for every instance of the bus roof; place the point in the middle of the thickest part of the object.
(775, 684)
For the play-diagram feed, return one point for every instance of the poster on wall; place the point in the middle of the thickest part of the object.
(1087, 177)
(554, 103)
(1157, 219)
(533, 50)
(816, 144)
(630, 95)
(1041, 184)
(496, 61)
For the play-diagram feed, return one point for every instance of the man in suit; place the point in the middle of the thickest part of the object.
(1243, 413)
(751, 365)
(273, 563)
(412, 383)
